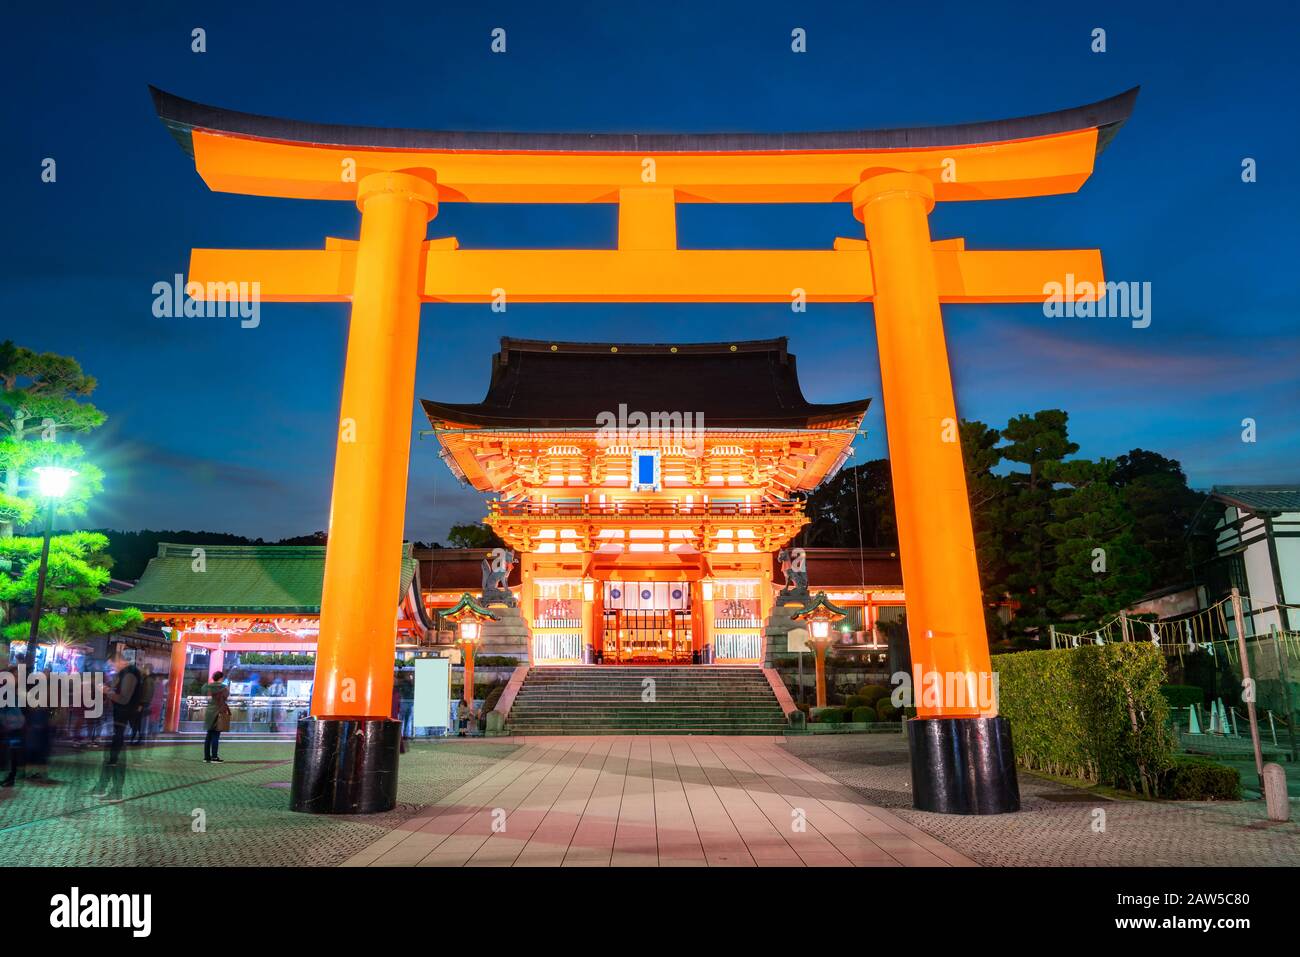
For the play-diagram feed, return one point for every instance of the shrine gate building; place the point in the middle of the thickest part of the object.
(645, 490)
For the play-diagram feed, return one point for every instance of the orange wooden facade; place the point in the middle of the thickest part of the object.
(616, 571)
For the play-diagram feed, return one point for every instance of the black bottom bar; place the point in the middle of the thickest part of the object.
(963, 765)
(345, 765)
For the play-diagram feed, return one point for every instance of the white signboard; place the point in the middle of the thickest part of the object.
(432, 693)
(797, 639)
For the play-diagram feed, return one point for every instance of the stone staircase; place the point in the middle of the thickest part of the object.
(608, 699)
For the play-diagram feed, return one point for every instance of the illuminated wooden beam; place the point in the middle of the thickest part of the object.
(566, 275)
(266, 156)
(283, 275)
(543, 275)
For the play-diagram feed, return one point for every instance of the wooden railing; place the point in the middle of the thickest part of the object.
(644, 509)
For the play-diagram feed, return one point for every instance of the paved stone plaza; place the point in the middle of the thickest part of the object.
(245, 802)
(656, 800)
(600, 801)
(1054, 826)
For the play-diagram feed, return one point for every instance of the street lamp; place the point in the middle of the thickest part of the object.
(819, 615)
(468, 617)
(52, 481)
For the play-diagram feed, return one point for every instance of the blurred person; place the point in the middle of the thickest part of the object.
(11, 736)
(216, 717)
(408, 706)
(36, 737)
(396, 715)
(468, 719)
(90, 722)
(140, 719)
(125, 697)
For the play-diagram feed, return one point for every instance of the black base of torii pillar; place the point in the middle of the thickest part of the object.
(345, 765)
(963, 765)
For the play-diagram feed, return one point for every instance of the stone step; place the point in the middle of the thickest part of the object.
(692, 672)
(560, 688)
(647, 721)
(657, 679)
(637, 687)
(637, 694)
(702, 732)
(648, 713)
(634, 703)
(688, 699)
(632, 707)
(624, 726)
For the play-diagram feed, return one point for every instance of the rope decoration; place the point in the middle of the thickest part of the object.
(1207, 631)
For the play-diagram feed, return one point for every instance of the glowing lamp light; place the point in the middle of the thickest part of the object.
(588, 590)
(467, 616)
(53, 481)
(819, 615)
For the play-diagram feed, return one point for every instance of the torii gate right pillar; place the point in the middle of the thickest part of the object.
(962, 758)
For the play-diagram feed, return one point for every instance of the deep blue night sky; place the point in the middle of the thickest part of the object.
(212, 426)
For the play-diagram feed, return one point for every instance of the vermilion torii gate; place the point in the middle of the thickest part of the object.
(346, 755)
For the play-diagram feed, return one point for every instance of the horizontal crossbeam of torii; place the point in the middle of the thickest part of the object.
(890, 178)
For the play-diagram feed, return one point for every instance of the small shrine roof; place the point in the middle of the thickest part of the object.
(239, 579)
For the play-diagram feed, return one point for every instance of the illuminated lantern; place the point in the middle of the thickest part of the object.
(468, 617)
(819, 616)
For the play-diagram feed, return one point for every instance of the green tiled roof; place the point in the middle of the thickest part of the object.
(270, 579)
(1260, 498)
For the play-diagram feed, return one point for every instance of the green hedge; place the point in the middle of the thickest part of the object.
(831, 716)
(1180, 696)
(1095, 712)
(885, 710)
(1193, 778)
(864, 714)
(873, 693)
(481, 689)
(275, 658)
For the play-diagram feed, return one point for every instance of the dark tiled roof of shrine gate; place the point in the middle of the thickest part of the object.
(457, 569)
(848, 568)
(239, 579)
(732, 385)
(182, 117)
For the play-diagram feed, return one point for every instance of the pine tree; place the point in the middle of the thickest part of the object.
(987, 493)
(1099, 565)
(854, 508)
(1040, 442)
(1155, 491)
(42, 403)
